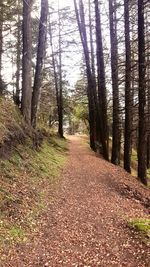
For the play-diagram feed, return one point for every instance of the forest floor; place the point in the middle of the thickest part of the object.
(86, 222)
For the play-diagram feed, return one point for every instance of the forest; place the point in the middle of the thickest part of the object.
(109, 46)
(73, 70)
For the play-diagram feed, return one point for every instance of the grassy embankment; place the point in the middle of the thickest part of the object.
(26, 176)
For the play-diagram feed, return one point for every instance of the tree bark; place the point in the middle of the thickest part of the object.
(18, 63)
(27, 62)
(115, 159)
(1, 45)
(101, 82)
(39, 62)
(128, 95)
(60, 95)
(142, 95)
(91, 86)
(54, 70)
(148, 84)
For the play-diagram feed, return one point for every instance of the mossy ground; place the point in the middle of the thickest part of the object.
(142, 225)
(25, 178)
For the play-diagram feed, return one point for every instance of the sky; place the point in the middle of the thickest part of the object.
(71, 57)
(72, 54)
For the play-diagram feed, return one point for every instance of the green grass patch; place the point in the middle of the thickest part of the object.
(143, 225)
(22, 191)
(10, 233)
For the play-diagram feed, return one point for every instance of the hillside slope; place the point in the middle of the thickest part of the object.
(25, 172)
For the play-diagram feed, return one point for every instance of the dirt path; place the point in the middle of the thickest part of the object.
(86, 224)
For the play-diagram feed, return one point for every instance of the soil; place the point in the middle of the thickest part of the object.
(86, 222)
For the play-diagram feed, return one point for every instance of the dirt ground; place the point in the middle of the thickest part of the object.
(86, 223)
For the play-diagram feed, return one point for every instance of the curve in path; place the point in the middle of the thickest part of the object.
(86, 225)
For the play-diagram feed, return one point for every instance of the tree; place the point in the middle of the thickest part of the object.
(18, 59)
(101, 83)
(142, 95)
(60, 95)
(114, 69)
(39, 62)
(56, 81)
(128, 96)
(27, 61)
(1, 46)
(91, 90)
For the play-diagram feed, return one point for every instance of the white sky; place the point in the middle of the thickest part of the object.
(70, 58)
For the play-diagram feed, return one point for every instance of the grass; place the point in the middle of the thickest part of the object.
(25, 178)
(11, 233)
(142, 225)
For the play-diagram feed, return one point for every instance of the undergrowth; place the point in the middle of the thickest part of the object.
(25, 179)
(9, 117)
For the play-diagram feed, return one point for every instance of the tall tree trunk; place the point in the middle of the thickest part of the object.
(18, 65)
(91, 86)
(93, 69)
(101, 82)
(39, 62)
(114, 69)
(1, 45)
(91, 42)
(148, 134)
(142, 95)
(54, 68)
(148, 84)
(60, 95)
(27, 61)
(128, 96)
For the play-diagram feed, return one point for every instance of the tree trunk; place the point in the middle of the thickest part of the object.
(142, 95)
(1, 45)
(91, 86)
(54, 70)
(148, 84)
(101, 82)
(39, 62)
(27, 62)
(148, 125)
(18, 65)
(92, 52)
(128, 96)
(60, 96)
(91, 43)
(114, 69)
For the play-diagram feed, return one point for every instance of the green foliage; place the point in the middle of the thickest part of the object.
(11, 233)
(16, 233)
(142, 225)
